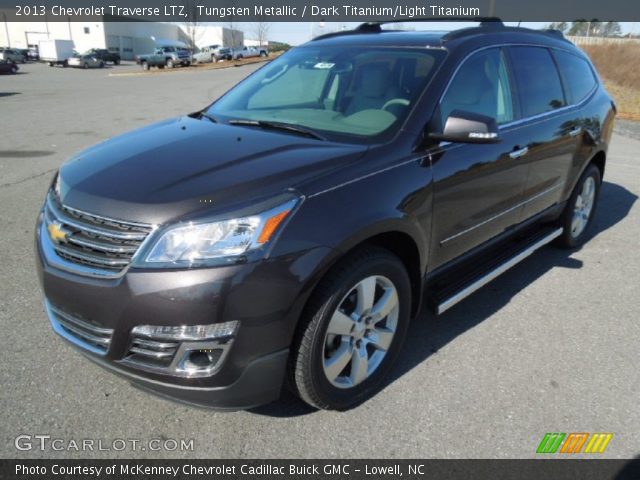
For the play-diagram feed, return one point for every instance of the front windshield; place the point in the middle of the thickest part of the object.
(342, 93)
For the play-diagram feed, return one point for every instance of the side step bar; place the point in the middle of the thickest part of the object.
(478, 282)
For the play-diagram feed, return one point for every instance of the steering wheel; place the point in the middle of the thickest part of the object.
(395, 101)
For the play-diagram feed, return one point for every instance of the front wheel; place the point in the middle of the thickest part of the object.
(170, 63)
(352, 330)
(579, 212)
(145, 66)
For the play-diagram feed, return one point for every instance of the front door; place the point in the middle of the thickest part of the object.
(478, 188)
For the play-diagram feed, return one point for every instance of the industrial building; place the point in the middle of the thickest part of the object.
(126, 38)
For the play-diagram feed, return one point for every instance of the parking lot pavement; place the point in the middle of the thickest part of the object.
(551, 346)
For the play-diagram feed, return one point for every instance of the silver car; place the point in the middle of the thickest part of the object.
(85, 61)
(12, 55)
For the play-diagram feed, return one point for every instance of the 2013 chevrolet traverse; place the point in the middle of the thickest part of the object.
(288, 232)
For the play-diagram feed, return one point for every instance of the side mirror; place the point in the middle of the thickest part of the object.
(468, 127)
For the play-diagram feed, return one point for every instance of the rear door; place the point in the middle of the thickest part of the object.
(547, 128)
(477, 188)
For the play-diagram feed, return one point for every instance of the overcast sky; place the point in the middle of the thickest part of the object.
(296, 33)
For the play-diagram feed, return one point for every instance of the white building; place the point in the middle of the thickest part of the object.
(206, 35)
(126, 38)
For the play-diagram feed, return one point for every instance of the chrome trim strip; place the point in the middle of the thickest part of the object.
(101, 246)
(510, 209)
(155, 345)
(62, 218)
(151, 353)
(82, 334)
(115, 262)
(76, 321)
(496, 272)
(110, 220)
(60, 330)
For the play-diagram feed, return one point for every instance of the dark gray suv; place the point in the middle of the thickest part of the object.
(287, 233)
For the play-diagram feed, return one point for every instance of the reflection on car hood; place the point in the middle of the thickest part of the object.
(185, 165)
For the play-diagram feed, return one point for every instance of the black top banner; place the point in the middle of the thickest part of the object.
(314, 10)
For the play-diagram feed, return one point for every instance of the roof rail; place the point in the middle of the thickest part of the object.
(372, 27)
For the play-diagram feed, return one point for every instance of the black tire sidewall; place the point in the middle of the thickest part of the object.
(566, 239)
(390, 267)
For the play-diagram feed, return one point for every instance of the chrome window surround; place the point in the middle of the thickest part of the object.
(533, 117)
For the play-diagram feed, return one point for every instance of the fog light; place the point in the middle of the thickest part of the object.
(200, 361)
(187, 332)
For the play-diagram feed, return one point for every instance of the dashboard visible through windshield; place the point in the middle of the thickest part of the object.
(356, 93)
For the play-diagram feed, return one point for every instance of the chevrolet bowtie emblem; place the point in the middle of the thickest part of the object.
(57, 232)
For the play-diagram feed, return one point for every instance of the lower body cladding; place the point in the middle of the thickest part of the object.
(216, 337)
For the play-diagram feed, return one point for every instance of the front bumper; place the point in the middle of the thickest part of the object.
(265, 298)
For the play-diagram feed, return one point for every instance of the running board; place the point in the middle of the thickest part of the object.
(478, 281)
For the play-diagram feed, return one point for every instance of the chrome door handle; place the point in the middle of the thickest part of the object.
(575, 132)
(519, 153)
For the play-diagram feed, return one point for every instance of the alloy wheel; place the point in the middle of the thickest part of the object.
(360, 332)
(583, 207)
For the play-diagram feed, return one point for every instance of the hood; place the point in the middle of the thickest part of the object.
(187, 166)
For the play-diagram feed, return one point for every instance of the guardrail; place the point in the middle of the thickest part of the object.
(580, 41)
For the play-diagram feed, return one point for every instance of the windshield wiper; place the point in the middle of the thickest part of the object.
(203, 114)
(287, 127)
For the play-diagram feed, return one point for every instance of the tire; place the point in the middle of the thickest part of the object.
(116, 61)
(170, 63)
(85, 66)
(578, 215)
(101, 64)
(161, 67)
(263, 54)
(51, 64)
(14, 70)
(317, 370)
(145, 65)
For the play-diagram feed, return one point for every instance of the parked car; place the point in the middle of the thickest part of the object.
(212, 53)
(291, 229)
(104, 55)
(33, 54)
(248, 52)
(85, 61)
(7, 66)
(12, 54)
(165, 57)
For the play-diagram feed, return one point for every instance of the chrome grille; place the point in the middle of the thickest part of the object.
(80, 331)
(92, 240)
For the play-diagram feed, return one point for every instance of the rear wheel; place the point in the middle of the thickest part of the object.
(101, 64)
(578, 214)
(145, 66)
(352, 330)
(85, 66)
(116, 61)
(14, 69)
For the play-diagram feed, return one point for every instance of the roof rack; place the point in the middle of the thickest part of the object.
(376, 27)
(373, 27)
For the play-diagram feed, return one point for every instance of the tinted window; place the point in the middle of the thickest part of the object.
(481, 85)
(537, 78)
(577, 75)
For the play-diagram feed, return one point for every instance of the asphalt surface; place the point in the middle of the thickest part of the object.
(551, 346)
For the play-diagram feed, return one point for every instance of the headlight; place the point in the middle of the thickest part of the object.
(193, 243)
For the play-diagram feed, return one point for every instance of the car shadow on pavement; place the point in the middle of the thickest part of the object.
(429, 333)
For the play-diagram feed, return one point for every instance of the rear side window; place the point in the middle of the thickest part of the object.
(537, 80)
(481, 85)
(577, 75)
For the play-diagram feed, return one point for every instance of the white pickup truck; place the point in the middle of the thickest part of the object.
(247, 52)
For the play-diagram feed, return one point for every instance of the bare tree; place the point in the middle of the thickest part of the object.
(192, 27)
(261, 32)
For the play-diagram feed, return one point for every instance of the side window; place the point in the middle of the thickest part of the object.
(481, 85)
(537, 80)
(576, 74)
